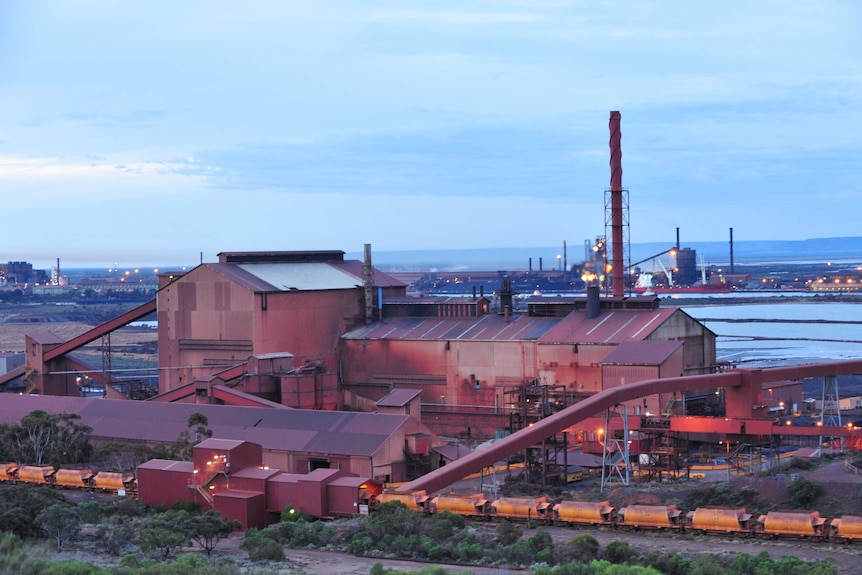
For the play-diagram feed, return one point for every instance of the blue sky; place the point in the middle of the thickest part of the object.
(147, 133)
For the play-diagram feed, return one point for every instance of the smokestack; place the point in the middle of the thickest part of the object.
(565, 262)
(677, 239)
(731, 250)
(540, 264)
(368, 284)
(530, 268)
(616, 205)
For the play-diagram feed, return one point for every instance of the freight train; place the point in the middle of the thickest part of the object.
(106, 481)
(728, 521)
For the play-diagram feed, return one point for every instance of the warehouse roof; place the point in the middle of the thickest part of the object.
(607, 328)
(297, 430)
(300, 276)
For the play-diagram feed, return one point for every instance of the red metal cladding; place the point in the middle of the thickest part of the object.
(729, 380)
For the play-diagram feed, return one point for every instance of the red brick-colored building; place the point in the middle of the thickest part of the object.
(219, 315)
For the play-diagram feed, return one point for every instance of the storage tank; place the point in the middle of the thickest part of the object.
(584, 512)
(415, 500)
(651, 517)
(36, 473)
(846, 529)
(475, 505)
(73, 477)
(792, 524)
(522, 508)
(720, 520)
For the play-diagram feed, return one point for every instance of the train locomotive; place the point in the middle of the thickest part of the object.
(734, 522)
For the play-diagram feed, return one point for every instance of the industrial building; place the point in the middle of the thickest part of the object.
(387, 445)
(307, 363)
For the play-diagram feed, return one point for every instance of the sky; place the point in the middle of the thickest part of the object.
(160, 132)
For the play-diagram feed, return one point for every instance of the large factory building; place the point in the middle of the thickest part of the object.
(311, 330)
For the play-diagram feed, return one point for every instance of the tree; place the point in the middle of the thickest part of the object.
(123, 456)
(116, 534)
(197, 431)
(163, 533)
(42, 438)
(208, 528)
(61, 523)
(20, 505)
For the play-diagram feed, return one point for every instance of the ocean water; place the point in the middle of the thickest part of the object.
(769, 333)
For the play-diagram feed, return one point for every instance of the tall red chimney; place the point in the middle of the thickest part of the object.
(616, 206)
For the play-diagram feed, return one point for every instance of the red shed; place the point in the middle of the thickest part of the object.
(218, 456)
(164, 482)
(247, 507)
(348, 495)
(252, 478)
(312, 491)
(282, 491)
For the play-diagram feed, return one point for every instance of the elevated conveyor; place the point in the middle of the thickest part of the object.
(741, 386)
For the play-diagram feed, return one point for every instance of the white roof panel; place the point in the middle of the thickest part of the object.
(303, 276)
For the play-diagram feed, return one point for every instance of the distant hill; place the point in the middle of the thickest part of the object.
(845, 250)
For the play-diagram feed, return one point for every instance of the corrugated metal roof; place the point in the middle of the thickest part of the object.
(335, 432)
(44, 337)
(289, 276)
(237, 494)
(399, 397)
(169, 465)
(348, 481)
(485, 328)
(310, 276)
(356, 268)
(237, 274)
(608, 328)
(255, 473)
(642, 352)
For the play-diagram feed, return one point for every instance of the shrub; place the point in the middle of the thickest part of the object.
(619, 552)
(582, 547)
(803, 493)
(508, 533)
